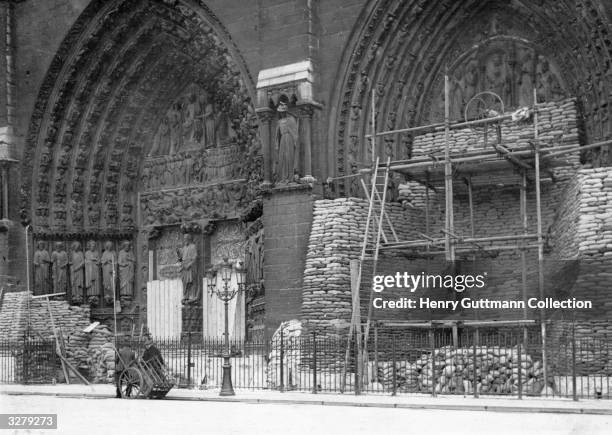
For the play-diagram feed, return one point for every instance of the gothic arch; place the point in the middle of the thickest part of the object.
(118, 69)
(402, 48)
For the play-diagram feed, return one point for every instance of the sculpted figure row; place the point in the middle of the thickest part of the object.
(85, 276)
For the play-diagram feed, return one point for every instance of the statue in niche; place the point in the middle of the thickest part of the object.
(254, 264)
(525, 84)
(548, 86)
(108, 262)
(174, 118)
(59, 260)
(355, 189)
(224, 128)
(161, 141)
(496, 76)
(209, 124)
(187, 256)
(221, 200)
(456, 99)
(92, 273)
(77, 272)
(125, 262)
(286, 138)
(42, 263)
(192, 113)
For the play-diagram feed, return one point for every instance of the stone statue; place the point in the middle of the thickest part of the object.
(525, 85)
(126, 261)
(286, 146)
(496, 75)
(161, 142)
(209, 125)
(191, 113)
(254, 264)
(108, 262)
(174, 117)
(549, 88)
(92, 273)
(77, 272)
(59, 261)
(42, 262)
(188, 255)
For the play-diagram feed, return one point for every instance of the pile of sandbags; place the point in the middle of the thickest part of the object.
(76, 349)
(291, 348)
(453, 370)
(557, 124)
(101, 354)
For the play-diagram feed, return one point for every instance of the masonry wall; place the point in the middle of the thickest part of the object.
(287, 223)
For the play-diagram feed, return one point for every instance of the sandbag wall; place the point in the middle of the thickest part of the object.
(557, 122)
(336, 237)
(496, 370)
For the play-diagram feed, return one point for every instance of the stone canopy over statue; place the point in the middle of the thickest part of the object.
(193, 121)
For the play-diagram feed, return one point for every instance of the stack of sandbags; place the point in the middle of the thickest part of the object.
(77, 344)
(496, 369)
(66, 317)
(336, 238)
(101, 353)
(406, 375)
(557, 125)
(291, 349)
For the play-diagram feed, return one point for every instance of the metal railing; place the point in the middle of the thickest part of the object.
(472, 361)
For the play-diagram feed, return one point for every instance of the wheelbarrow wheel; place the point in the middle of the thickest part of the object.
(130, 383)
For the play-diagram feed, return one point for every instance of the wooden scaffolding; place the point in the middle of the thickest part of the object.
(525, 166)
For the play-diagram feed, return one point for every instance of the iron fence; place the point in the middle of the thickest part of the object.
(471, 361)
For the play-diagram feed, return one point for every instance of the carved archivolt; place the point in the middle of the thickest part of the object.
(125, 71)
(402, 48)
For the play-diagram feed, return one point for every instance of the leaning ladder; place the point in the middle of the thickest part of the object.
(376, 206)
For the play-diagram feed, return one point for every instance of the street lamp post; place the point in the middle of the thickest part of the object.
(226, 293)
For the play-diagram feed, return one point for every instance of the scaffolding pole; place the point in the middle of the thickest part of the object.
(539, 232)
(524, 223)
(449, 243)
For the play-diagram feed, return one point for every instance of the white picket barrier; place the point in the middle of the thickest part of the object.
(164, 313)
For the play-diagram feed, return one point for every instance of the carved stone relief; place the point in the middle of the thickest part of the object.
(121, 94)
(218, 201)
(506, 67)
(401, 51)
(228, 242)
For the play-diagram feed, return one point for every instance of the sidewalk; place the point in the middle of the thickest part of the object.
(406, 401)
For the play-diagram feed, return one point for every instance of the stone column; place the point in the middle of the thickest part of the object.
(265, 117)
(306, 112)
(11, 238)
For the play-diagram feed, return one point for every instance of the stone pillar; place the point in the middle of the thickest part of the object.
(11, 236)
(265, 118)
(287, 218)
(306, 112)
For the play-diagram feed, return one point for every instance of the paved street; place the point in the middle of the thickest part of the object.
(104, 415)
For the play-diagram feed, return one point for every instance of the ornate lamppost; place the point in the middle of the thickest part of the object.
(226, 292)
